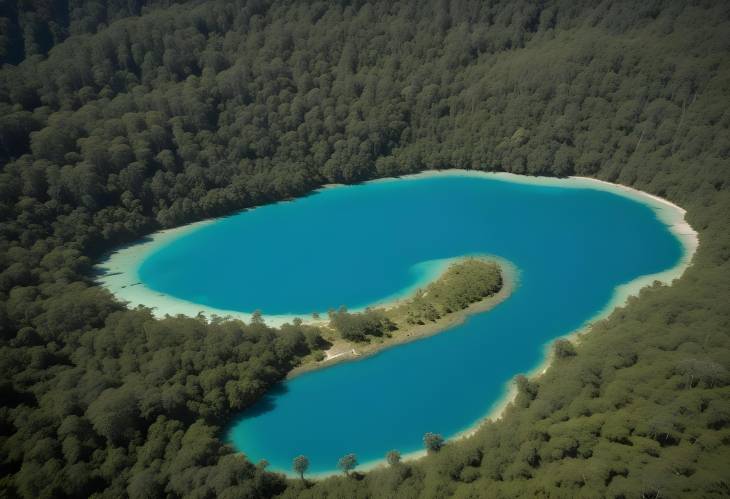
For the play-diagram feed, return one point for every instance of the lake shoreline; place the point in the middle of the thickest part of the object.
(118, 273)
(120, 277)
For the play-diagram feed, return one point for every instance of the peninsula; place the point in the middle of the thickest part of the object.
(467, 286)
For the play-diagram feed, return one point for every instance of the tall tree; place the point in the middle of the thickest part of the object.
(301, 465)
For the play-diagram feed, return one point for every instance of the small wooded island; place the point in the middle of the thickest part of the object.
(468, 285)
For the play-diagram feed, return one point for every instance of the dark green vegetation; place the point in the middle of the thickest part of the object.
(300, 465)
(433, 442)
(211, 106)
(393, 457)
(358, 326)
(30, 28)
(462, 284)
(347, 463)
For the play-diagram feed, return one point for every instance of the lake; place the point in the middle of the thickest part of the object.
(573, 246)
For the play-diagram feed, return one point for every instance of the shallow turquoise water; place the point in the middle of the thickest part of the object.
(356, 245)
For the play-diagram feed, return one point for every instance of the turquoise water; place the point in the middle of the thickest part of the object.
(356, 245)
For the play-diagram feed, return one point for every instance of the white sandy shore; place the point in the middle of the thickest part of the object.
(119, 274)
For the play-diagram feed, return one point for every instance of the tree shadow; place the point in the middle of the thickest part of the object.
(266, 403)
(356, 475)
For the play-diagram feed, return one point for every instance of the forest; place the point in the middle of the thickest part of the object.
(121, 118)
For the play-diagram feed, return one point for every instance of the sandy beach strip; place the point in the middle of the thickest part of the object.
(119, 273)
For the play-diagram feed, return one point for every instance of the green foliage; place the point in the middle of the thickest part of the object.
(356, 327)
(33, 28)
(161, 388)
(122, 118)
(433, 442)
(393, 457)
(463, 283)
(300, 465)
(347, 463)
(563, 349)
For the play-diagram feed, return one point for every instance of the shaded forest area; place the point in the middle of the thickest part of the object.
(118, 121)
(32, 27)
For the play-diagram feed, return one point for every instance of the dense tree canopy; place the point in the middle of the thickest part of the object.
(120, 118)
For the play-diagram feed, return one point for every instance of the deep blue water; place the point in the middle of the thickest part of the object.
(358, 244)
